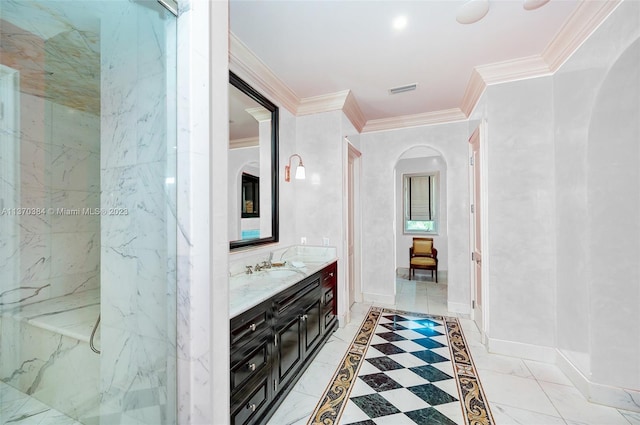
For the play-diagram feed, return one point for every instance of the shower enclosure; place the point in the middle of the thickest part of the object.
(87, 212)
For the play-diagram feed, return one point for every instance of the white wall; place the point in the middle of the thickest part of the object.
(597, 105)
(564, 191)
(380, 153)
(404, 241)
(521, 198)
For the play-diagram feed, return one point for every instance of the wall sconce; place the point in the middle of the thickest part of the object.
(300, 174)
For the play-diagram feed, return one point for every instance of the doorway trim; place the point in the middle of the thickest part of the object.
(482, 130)
(353, 226)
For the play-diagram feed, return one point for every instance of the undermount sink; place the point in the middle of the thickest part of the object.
(281, 273)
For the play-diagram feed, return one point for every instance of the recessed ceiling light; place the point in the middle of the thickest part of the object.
(534, 4)
(400, 22)
(472, 11)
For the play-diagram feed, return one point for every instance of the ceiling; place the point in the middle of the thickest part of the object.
(56, 48)
(321, 47)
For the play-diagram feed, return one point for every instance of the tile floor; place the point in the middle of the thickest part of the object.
(406, 376)
(17, 408)
(519, 391)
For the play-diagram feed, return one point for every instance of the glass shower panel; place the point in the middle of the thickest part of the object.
(87, 211)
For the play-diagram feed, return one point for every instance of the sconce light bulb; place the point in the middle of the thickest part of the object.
(300, 173)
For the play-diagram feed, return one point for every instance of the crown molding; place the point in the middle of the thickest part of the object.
(322, 103)
(584, 20)
(416, 120)
(513, 70)
(259, 113)
(244, 63)
(475, 88)
(354, 113)
(246, 142)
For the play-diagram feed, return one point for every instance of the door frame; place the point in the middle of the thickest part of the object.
(484, 225)
(352, 197)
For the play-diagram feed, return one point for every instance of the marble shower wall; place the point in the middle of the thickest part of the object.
(57, 154)
(59, 173)
(137, 167)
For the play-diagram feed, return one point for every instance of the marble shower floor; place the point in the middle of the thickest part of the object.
(519, 391)
(17, 408)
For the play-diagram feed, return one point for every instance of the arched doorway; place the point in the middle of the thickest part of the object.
(421, 211)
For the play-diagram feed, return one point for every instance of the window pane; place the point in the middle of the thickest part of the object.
(420, 226)
(420, 203)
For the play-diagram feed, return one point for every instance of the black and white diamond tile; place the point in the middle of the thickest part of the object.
(399, 370)
(406, 378)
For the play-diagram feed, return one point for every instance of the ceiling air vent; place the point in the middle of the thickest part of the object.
(402, 89)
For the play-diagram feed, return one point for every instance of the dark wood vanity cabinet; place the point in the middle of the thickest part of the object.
(329, 298)
(251, 338)
(297, 321)
(272, 344)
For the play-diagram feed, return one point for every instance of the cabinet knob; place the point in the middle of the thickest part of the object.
(252, 327)
(251, 407)
(331, 274)
(251, 366)
(303, 317)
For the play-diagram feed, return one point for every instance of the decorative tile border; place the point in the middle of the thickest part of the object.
(474, 406)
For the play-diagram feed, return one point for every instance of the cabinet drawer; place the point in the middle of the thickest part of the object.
(329, 273)
(294, 296)
(328, 296)
(329, 318)
(249, 324)
(250, 363)
(248, 406)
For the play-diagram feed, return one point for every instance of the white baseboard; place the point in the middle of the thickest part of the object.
(343, 319)
(519, 349)
(620, 398)
(378, 298)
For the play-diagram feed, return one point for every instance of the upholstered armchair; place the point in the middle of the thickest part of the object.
(422, 255)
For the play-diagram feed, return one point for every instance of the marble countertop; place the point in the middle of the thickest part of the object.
(249, 290)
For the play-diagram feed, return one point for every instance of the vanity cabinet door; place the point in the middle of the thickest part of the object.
(312, 325)
(289, 349)
(297, 316)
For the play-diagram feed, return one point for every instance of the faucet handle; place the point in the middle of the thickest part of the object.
(249, 271)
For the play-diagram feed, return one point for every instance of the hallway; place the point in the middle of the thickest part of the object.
(519, 391)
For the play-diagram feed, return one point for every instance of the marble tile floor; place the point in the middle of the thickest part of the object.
(17, 408)
(519, 391)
